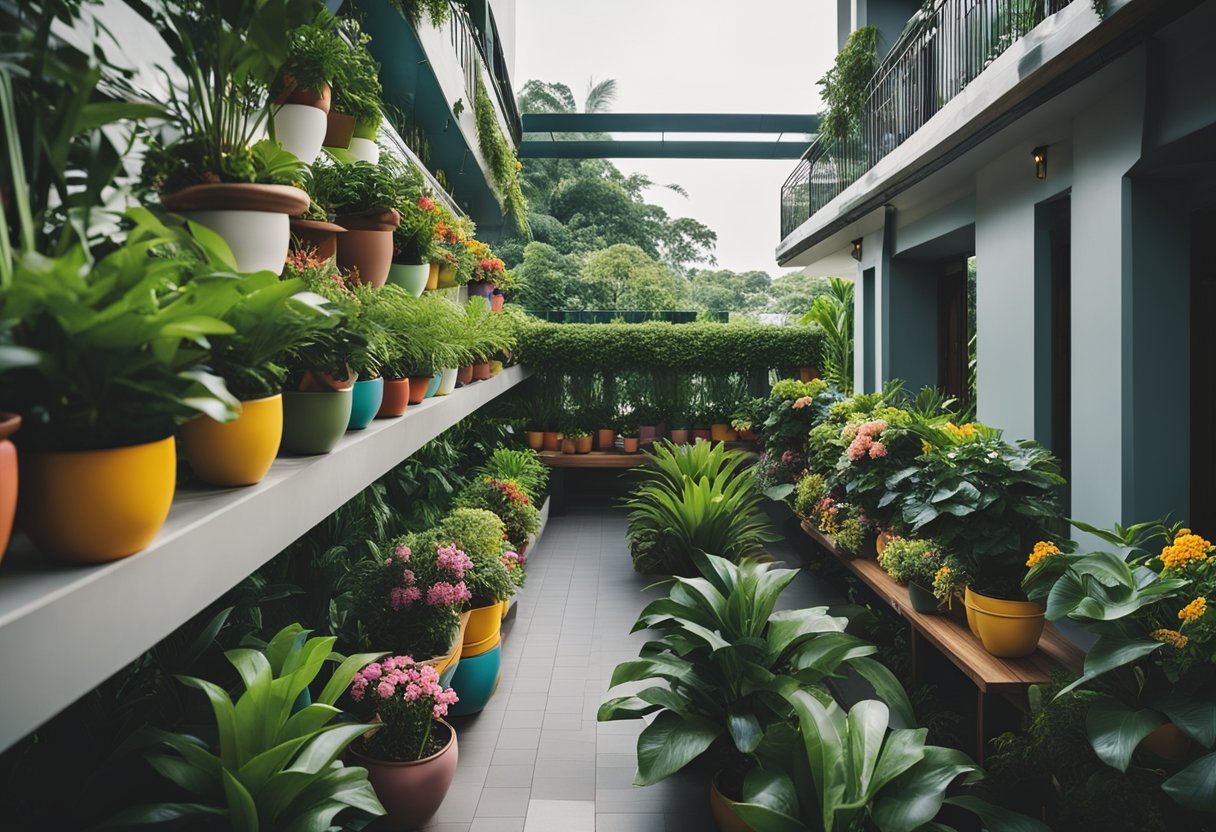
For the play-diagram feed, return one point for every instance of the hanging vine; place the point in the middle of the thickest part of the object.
(504, 165)
(846, 83)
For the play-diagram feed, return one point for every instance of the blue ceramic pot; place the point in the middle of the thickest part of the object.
(433, 387)
(475, 681)
(368, 394)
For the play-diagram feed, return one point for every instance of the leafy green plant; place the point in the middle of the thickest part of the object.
(846, 84)
(808, 491)
(909, 560)
(721, 661)
(485, 334)
(316, 56)
(479, 532)
(521, 466)
(833, 313)
(356, 188)
(274, 767)
(843, 771)
(674, 515)
(500, 156)
(358, 91)
(506, 499)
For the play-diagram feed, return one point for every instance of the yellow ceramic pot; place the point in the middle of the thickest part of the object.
(720, 806)
(483, 631)
(1009, 629)
(239, 452)
(506, 607)
(446, 278)
(442, 663)
(97, 506)
(723, 432)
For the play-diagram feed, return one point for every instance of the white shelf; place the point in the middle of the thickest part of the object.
(63, 630)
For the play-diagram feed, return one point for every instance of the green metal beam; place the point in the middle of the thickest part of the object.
(545, 149)
(669, 123)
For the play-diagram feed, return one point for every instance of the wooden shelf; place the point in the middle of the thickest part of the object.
(954, 640)
(65, 629)
(595, 459)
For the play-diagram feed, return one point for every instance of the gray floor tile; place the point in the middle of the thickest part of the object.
(504, 802)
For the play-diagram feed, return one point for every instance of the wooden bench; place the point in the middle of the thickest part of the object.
(1008, 678)
(595, 459)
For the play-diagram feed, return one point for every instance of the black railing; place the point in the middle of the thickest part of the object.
(944, 47)
(473, 45)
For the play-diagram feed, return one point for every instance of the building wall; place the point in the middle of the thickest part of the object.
(504, 16)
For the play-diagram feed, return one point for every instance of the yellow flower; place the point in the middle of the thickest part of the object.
(966, 431)
(1170, 637)
(1194, 610)
(925, 447)
(1183, 532)
(1185, 548)
(941, 573)
(1042, 549)
(519, 165)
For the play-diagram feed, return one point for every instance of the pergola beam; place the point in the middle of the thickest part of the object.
(669, 123)
(608, 149)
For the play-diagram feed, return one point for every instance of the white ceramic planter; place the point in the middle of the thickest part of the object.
(411, 278)
(300, 129)
(364, 150)
(259, 239)
(448, 383)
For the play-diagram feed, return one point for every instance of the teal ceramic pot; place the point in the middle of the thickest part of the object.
(445, 678)
(368, 394)
(923, 601)
(433, 387)
(314, 422)
(410, 278)
(475, 681)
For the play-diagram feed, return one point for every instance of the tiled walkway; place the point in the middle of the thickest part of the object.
(535, 759)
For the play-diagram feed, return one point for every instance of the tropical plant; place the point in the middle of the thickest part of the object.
(833, 313)
(275, 766)
(478, 531)
(358, 91)
(841, 772)
(356, 188)
(317, 54)
(521, 466)
(721, 661)
(485, 334)
(437, 333)
(694, 499)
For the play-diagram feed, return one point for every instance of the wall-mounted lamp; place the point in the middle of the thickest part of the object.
(857, 249)
(1039, 154)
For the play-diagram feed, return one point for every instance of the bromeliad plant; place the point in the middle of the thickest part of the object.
(276, 764)
(723, 661)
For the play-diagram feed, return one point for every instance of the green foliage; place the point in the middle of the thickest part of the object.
(356, 188)
(721, 661)
(694, 499)
(506, 499)
(807, 493)
(485, 334)
(624, 276)
(724, 290)
(273, 767)
(845, 85)
(357, 91)
(317, 55)
(500, 156)
(520, 466)
(361, 344)
(480, 533)
(435, 11)
(699, 346)
(834, 314)
(908, 560)
(546, 277)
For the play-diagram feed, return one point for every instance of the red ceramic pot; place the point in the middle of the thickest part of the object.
(481, 371)
(418, 385)
(630, 444)
(367, 246)
(605, 439)
(411, 792)
(552, 441)
(464, 376)
(702, 433)
(9, 423)
(748, 435)
(312, 382)
(396, 398)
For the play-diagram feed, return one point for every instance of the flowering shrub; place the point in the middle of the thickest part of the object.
(506, 499)
(514, 562)
(481, 536)
(912, 561)
(790, 411)
(779, 468)
(408, 699)
(811, 488)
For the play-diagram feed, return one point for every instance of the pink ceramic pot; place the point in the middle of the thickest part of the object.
(411, 792)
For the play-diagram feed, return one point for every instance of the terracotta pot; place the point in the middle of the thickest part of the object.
(806, 374)
(339, 129)
(569, 446)
(605, 439)
(367, 245)
(312, 382)
(552, 440)
(630, 444)
(1009, 629)
(432, 277)
(464, 376)
(9, 424)
(396, 398)
(701, 433)
(481, 370)
(720, 807)
(314, 234)
(536, 439)
(411, 792)
(1167, 743)
(239, 452)
(293, 93)
(497, 301)
(722, 432)
(253, 219)
(97, 506)
(418, 386)
(583, 444)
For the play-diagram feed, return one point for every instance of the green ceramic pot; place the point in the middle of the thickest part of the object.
(314, 422)
(410, 278)
(433, 387)
(923, 601)
(368, 394)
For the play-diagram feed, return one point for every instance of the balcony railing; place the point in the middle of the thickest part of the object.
(944, 47)
(473, 46)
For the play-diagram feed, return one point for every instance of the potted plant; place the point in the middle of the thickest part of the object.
(605, 437)
(507, 500)
(580, 440)
(916, 564)
(207, 163)
(747, 418)
(701, 430)
(412, 240)
(362, 197)
(680, 426)
(354, 119)
(302, 92)
(629, 435)
(484, 335)
(411, 757)
(101, 374)
(719, 428)
(237, 779)
(396, 314)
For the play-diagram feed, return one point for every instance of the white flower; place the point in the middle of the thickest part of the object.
(993, 454)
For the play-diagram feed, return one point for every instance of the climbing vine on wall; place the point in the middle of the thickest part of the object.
(846, 83)
(500, 156)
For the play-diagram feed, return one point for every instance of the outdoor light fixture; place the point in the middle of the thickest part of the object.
(857, 249)
(1039, 154)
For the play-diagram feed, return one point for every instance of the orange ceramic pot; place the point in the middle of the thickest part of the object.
(97, 506)
(536, 439)
(293, 93)
(605, 439)
(481, 371)
(236, 453)
(630, 444)
(9, 423)
(317, 235)
(367, 246)
(418, 385)
(496, 302)
(411, 792)
(583, 444)
(1009, 629)
(880, 543)
(679, 436)
(552, 441)
(464, 375)
(396, 398)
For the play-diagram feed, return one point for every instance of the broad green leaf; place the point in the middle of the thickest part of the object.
(915, 797)
(1114, 730)
(764, 819)
(162, 813)
(344, 675)
(1110, 652)
(888, 688)
(242, 811)
(1195, 786)
(624, 707)
(194, 780)
(324, 748)
(225, 718)
(996, 818)
(745, 730)
(670, 743)
(1194, 712)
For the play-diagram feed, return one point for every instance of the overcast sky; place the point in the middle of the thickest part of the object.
(692, 56)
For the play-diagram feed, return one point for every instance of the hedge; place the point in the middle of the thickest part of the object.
(698, 347)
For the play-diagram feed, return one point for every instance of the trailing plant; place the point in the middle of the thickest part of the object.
(358, 91)
(846, 84)
(504, 164)
(273, 767)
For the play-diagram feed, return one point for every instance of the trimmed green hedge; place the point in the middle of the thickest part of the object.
(699, 347)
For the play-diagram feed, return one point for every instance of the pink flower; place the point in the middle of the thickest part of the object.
(453, 560)
(372, 672)
(439, 711)
(400, 597)
(403, 552)
(802, 402)
(859, 446)
(444, 594)
(412, 692)
(426, 203)
(385, 689)
(878, 450)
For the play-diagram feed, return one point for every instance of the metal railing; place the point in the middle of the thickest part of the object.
(473, 46)
(944, 47)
